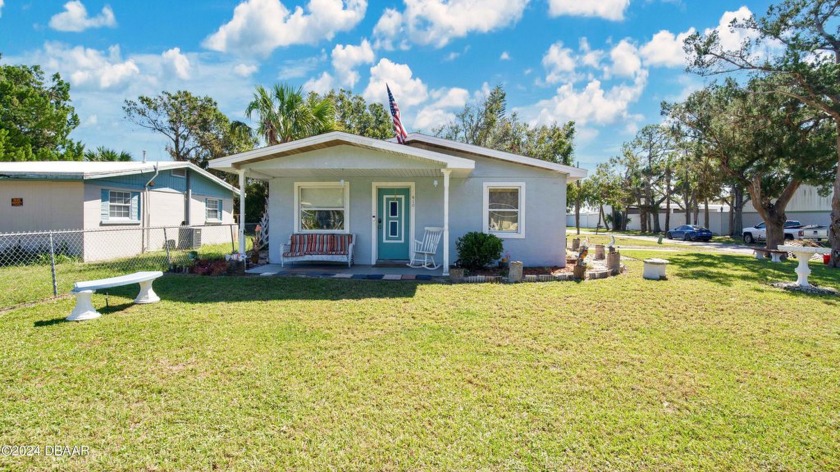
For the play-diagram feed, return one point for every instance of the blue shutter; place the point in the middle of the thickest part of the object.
(105, 209)
(135, 206)
(206, 205)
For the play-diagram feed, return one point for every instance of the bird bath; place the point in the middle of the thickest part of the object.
(803, 255)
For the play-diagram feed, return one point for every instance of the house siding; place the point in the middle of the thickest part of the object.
(545, 209)
(47, 205)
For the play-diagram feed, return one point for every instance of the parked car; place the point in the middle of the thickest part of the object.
(689, 233)
(793, 230)
(815, 232)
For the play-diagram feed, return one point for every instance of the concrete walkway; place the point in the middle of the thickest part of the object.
(344, 272)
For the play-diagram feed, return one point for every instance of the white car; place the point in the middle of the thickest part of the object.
(793, 230)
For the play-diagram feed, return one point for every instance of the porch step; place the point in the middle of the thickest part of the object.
(391, 263)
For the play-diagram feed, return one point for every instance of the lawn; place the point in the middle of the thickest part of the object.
(621, 239)
(29, 283)
(711, 369)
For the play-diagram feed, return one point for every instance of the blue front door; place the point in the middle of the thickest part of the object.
(393, 207)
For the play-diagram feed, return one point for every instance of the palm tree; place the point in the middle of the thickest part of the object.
(285, 115)
(104, 154)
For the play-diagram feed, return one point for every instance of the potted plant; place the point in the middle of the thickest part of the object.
(456, 272)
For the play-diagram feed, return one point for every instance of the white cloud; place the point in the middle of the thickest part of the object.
(559, 63)
(75, 18)
(407, 90)
(666, 49)
(589, 57)
(345, 59)
(731, 39)
(441, 111)
(436, 22)
(178, 62)
(1, 8)
(297, 68)
(504, 56)
(260, 26)
(625, 58)
(245, 70)
(592, 105)
(322, 84)
(607, 9)
(85, 67)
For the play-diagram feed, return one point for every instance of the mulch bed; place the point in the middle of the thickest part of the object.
(496, 271)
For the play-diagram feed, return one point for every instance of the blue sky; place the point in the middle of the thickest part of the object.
(606, 64)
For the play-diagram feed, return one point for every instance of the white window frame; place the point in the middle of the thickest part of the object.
(302, 185)
(520, 231)
(207, 207)
(110, 204)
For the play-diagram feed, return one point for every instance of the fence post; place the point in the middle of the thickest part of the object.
(52, 265)
(166, 245)
(232, 240)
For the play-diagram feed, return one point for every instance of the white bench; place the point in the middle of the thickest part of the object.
(84, 309)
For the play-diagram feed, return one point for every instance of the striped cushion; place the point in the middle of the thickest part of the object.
(319, 243)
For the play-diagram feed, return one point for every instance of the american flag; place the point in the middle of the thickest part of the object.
(402, 135)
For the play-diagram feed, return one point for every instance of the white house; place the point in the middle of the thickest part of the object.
(104, 197)
(387, 193)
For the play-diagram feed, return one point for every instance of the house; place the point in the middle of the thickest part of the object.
(115, 203)
(387, 193)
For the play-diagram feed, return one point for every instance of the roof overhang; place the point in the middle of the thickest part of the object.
(429, 163)
(572, 173)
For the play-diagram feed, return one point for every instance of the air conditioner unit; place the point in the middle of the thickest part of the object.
(189, 238)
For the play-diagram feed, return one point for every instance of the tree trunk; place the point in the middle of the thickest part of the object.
(773, 213)
(834, 228)
(604, 215)
(706, 215)
(577, 215)
(655, 216)
(737, 210)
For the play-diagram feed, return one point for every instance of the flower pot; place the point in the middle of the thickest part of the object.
(457, 273)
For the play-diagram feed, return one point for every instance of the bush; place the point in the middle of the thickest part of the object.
(477, 250)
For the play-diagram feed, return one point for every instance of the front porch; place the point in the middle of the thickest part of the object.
(341, 271)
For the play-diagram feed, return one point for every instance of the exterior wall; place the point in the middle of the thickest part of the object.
(165, 205)
(46, 205)
(545, 215)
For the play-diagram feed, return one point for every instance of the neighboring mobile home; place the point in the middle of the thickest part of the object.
(386, 193)
(116, 203)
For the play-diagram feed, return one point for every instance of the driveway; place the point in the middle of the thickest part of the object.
(710, 246)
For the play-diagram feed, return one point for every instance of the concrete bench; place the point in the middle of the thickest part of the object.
(654, 269)
(774, 254)
(84, 309)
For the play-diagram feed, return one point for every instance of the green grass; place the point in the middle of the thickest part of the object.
(30, 283)
(603, 237)
(711, 369)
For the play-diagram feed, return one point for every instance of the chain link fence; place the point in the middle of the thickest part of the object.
(44, 264)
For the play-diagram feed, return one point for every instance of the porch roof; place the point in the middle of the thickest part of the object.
(426, 162)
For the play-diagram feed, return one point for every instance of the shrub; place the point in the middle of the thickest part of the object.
(477, 250)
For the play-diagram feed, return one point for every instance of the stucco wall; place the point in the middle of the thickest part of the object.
(545, 214)
(46, 205)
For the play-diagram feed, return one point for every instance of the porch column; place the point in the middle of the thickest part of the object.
(446, 173)
(242, 213)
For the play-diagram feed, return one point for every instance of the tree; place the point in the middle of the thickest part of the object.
(196, 129)
(767, 142)
(36, 117)
(354, 115)
(806, 66)
(283, 114)
(485, 124)
(104, 154)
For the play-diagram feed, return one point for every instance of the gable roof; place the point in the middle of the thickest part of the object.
(574, 173)
(83, 170)
(337, 138)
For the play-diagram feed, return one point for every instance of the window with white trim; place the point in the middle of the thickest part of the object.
(213, 209)
(182, 172)
(119, 205)
(504, 209)
(321, 207)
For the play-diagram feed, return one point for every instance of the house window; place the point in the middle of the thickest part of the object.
(179, 172)
(504, 209)
(213, 209)
(119, 205)
(321, 207)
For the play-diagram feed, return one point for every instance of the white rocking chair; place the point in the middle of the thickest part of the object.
(424, 251)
